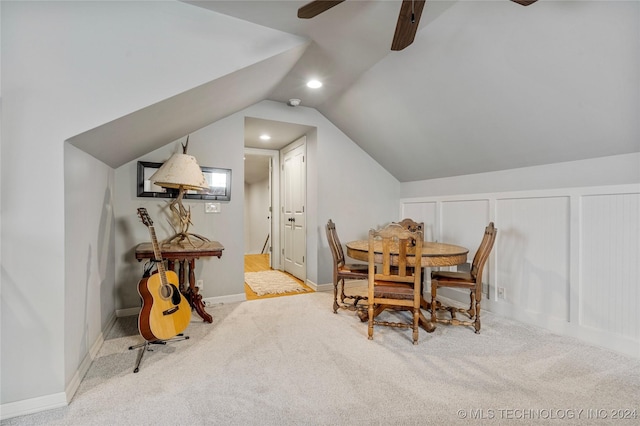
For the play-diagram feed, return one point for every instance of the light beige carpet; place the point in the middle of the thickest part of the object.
(290, 361)
(271, 282)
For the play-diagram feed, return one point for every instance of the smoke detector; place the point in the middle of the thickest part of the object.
(293, 102)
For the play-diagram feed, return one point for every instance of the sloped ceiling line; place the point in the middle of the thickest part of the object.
(133, 135)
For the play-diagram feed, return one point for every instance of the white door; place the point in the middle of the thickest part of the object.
(294, 248)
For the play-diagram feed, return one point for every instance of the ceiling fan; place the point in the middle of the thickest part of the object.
(408, 19)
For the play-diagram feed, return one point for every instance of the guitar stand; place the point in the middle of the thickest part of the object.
(146, 346)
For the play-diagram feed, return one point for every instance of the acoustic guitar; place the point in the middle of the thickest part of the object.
(165, 312)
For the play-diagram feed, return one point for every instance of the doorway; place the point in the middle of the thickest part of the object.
(262, 188)
(274, 214)
(267, 138)
(261, 194)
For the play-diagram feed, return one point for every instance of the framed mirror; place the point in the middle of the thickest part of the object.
(219, 181)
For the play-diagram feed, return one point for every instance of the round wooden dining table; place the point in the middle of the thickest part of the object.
(433, 255)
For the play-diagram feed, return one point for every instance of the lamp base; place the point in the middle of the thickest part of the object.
(184, 217)
(181, 236)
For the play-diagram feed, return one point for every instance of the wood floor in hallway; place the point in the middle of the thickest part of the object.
(261, 262)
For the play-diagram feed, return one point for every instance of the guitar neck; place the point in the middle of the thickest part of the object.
(157, 255)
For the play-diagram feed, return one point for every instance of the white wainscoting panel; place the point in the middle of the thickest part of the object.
(533, 253)
(568, 259)
(610, 263)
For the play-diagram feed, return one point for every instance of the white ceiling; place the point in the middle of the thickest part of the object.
(282, 134)
(346, 40)
(487, 84)
(256, 168)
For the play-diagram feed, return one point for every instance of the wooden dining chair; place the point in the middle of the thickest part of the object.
(471, 280)
(342, 270)
(411, 225)
(395, 285)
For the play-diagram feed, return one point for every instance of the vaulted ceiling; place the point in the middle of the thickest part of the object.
(487, 85)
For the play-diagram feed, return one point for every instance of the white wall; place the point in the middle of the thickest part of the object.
(618, 169)
(567, 257)
(89, 261)
(257, 223)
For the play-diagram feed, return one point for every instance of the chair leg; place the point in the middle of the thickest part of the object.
(342, 295)
(335, 295)
(476, 323)
(371, 319)
(416, 320)
(434, 306)
(472, 304)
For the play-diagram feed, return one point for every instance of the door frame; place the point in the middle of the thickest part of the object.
(275, 258)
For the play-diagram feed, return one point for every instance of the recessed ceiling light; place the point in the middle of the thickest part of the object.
(314, 84)
(265, 137)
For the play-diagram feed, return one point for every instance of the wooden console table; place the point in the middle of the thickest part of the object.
(185, 255)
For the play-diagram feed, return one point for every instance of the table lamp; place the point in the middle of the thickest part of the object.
(181, 172)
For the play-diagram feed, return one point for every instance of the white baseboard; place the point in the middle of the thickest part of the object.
(36, 405)
(324, 287)
(127, 312)
(208, 301)
(611, 341)
(33, 405)
(232, 298)
(82, 370)
(620, 344)
(347, 284)
(73, 385)
(311, 284)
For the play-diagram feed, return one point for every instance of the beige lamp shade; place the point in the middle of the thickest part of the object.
(180, 170)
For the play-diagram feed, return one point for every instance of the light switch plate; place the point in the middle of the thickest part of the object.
(212, 207)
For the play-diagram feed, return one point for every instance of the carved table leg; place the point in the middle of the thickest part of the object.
(195, 299)
(181, 276)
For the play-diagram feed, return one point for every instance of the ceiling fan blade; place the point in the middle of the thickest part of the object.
(315, 8)
(407, 25)
(524, 2)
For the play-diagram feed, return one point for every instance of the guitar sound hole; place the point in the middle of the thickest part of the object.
(166, 292)
(175, 295)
